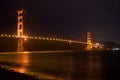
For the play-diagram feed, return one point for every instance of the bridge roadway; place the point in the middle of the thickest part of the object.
(42, 38)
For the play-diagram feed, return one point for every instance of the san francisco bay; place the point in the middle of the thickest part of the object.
(64, 65)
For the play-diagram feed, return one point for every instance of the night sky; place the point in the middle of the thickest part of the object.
(64, 18)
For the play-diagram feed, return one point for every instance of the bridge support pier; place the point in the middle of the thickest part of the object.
(20, 45)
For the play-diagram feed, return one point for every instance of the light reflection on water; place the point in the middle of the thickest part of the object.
(18, 61)
(94, 68)
(23, 60)
(66, 65)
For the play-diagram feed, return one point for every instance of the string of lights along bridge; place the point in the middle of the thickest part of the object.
(20, 35)
(41, 38)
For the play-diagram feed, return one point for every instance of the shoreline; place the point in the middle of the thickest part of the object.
(11, 75)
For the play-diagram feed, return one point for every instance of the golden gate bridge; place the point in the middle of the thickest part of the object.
(21, 37)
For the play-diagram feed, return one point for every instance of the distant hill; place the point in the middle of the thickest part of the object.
(110, 44)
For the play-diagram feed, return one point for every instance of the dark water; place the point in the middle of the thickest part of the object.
(97, 65)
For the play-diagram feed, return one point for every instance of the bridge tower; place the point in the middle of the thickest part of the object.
(89, 41)
(20, 23)
(20, 29)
